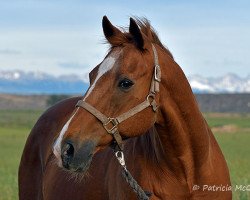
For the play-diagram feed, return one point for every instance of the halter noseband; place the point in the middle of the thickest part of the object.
(110, 124)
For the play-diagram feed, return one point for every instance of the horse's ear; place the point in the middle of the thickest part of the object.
(134, 30)
(111, 32)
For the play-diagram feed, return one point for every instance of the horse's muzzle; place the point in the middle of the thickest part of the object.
(75, 157)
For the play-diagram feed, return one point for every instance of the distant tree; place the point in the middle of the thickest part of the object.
(53, 99)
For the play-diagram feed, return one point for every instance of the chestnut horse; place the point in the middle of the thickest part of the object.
(168, 147)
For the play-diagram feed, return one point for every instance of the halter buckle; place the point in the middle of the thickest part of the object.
(157, 73)
(114, 124)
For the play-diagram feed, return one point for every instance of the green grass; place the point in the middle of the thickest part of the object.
(19, 118)
(12, 141)
(217, 119)
(15, 127)
(236, 149)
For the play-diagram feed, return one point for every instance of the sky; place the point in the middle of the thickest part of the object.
(209, 38)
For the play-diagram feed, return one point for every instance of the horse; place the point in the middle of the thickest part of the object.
(154, 121)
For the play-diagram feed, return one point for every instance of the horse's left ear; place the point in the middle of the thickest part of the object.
(112, 34)
(134, 30)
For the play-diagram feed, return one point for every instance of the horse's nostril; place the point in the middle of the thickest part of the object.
(67, 154)
(68, 150)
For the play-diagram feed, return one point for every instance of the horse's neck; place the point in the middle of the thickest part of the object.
(182, 130)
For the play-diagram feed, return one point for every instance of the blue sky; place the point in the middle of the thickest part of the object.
(210, 38)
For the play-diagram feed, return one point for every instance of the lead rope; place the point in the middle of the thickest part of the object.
(141, 194)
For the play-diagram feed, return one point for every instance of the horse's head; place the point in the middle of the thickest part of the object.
(122, 81)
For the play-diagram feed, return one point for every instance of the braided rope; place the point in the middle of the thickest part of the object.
(141, 194)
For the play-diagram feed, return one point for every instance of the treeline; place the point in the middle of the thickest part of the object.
(234, 103)
(53, 99)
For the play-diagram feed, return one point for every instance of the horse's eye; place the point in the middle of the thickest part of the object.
(125, 84)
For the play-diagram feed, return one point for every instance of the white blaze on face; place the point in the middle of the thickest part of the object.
(57, 144)
(106, 65)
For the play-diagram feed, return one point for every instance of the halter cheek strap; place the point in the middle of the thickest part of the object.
(110, 124)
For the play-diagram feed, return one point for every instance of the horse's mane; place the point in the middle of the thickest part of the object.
(151, 148)
(151, 34)
(146, 29)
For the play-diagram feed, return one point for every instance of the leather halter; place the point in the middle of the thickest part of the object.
(110, 124)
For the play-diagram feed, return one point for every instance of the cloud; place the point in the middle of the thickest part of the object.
(204, 38)
(71, 65)
(10, 52)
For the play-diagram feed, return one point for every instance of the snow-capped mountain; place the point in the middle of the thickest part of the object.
(229, 83)
(20, 82)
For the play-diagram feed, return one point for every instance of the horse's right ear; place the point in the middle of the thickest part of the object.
(112, 34)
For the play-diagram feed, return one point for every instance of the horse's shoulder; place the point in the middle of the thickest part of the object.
(60, 109)
(50, 123)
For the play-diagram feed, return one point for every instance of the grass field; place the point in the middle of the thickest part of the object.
(14, 129)
(231, 130)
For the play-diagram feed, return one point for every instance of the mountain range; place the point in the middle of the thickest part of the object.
(20, 82)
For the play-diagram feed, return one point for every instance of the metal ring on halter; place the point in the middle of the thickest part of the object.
(152, 96)
(152, 102)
